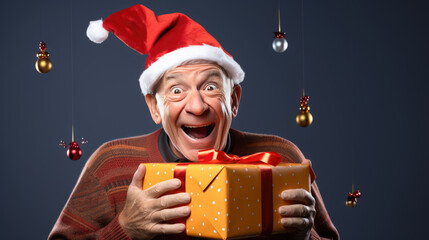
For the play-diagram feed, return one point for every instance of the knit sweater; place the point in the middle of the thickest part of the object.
(99, 196)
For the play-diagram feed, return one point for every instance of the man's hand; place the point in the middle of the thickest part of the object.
(146, 210)
(300, 215)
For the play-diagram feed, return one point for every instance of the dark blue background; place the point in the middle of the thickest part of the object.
(365, 72)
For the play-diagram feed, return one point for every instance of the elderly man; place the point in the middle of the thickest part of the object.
(191, 87)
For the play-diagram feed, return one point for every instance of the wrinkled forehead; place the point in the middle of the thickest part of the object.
(200, 66)
(198, 69)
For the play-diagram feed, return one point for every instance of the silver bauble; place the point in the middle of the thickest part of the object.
(280, 45)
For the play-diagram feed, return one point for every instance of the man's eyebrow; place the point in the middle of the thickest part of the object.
(207, 74)
(173, 75)
(213, 73)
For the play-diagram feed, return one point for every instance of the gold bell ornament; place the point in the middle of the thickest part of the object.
(43, 64)
(304, 117)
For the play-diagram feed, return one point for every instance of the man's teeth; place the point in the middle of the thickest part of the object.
(197, 126)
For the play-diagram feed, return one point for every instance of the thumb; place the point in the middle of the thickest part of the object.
(139, 176)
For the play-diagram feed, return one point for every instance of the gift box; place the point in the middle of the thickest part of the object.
(232, 200)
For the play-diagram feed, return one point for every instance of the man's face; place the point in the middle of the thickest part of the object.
(195, 104)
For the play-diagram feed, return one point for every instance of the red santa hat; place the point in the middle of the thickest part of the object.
(169, 40)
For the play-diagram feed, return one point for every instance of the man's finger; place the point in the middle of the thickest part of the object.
(168, 228)
(137, 180)
(297, 210)
(298, 223)
(172, 200)
(171, 213)
(299, 196)
(160, 188)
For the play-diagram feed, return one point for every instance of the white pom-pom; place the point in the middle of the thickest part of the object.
(96, 32)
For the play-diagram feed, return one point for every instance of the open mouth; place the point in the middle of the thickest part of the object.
(198, 132)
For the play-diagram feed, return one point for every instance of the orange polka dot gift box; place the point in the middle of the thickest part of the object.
(233, 197)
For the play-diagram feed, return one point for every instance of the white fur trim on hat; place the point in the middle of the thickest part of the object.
(173, 59)
(96, 32)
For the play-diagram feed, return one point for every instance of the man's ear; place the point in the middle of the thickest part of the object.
(236, 95)
(153, 108)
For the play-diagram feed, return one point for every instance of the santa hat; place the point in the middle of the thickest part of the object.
(169, 40)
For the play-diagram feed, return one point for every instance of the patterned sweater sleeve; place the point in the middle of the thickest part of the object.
(89, 214)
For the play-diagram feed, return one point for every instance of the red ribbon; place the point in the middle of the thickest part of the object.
(180, 173)
(263, 159)
(266, 200)
(213, 157)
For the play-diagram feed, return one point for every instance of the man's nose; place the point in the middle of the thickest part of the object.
(196, 104)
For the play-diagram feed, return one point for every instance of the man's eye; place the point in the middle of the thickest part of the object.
(211, 87)
(176, 90)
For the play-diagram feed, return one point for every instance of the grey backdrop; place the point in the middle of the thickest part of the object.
(365, 72)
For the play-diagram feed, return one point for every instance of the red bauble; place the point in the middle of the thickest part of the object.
(74, 152)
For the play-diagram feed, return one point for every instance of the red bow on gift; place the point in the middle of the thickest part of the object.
(213, 156)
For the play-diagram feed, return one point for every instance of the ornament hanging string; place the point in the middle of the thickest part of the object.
(74, 152)
(280, 28)
(302, 39)
(43, 64)
(353, 195)
(304, 117)
(72, 67)
(279, 43)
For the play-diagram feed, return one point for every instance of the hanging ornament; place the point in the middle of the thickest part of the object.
(352, 198)
(43, 64)
(73, 152)
(304, 117)
(279, 43)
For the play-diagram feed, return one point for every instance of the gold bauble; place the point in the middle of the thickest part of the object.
(350, 204)
(43, 65)
(304, 119)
